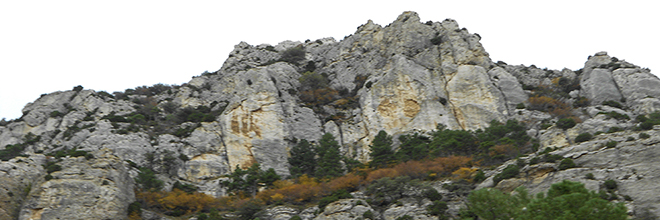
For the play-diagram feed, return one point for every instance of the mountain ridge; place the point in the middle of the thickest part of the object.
(403, 78)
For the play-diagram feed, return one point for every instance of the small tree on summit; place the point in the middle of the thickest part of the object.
(293, 55)
(381, 150)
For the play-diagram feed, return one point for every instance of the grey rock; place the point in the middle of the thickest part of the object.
(410, 207)
(598, 86)
(309, 213)
(636, 84)
(474, 99)
(89, 189)
(18, 176)
(345, 209)
(279, 213)
(509, 86)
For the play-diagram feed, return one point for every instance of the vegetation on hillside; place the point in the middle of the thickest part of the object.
(565, 200)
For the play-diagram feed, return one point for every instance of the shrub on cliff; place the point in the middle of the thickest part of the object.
(565, 123)
(148, 181)
(293, 55)
(583, 137)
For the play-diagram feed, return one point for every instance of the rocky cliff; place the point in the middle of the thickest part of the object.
(407, 76)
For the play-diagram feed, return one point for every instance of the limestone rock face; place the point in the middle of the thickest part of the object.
(509, 86)
(18, 176)
(98, 188)
(476, 101)
(405, 98)
(633, 165)
(598, 86)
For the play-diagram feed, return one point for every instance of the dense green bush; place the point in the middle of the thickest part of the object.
(148, 181)
(436, 40)
(566, 123)
(334, 196)
(250, 210)
(52, 166)
(610, 185)
(613, 104)
(583, 137)
(293, 55)
(614, 129)
(647, 125)
(448, 142)
(413, 147)
(590, 176)
(551, 158)
(78, 88)
(55, 114)
(648, 122)
(247, 181)
(387, 190)
(565, 200)
(11, 151)
(438, 208)
(611, 144)
(14, 150)
(508, 172)
(368, 215)
(135, 207)
(497, 143)
(644, 136)
(615, 115)
(432, 194)
(479, 176)
(566, 163)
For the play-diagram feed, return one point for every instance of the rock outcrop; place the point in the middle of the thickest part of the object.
(98, 188)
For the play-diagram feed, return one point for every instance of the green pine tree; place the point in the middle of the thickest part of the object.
(381, 150)
(247, 180)
(302, 159)
(328, 163)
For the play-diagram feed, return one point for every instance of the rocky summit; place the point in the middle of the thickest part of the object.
(84, 154)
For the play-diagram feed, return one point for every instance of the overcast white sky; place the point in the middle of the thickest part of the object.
(46, 46)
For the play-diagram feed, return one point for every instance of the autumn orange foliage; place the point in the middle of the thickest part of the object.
(134, 216)
(319, 96)
(381, 173)
(553, 106)
(349, 182)
(502, 149)
(445, 165)
(178, 200)
(304, 189)
(464, 173)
